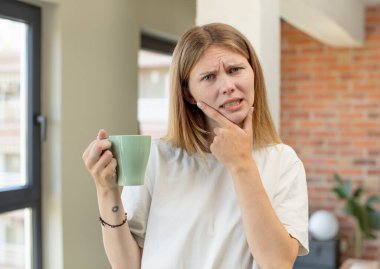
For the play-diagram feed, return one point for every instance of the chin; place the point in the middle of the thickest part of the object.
(236, 120)
(237, 117)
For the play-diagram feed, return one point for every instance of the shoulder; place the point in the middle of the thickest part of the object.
(164, 148)
(163, 152)
(278, 152)
(279, 157)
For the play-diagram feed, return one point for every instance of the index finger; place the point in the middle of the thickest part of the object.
(102, 134)
(96, 148)
(214, 114)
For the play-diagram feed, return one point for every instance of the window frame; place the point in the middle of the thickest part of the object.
(156, 43)
(29, 196)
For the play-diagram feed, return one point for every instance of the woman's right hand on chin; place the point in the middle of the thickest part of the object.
(100, 162)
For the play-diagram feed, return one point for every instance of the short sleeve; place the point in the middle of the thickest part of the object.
(291, 203)
(136, 201)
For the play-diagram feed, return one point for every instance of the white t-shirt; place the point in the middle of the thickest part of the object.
(186, 216)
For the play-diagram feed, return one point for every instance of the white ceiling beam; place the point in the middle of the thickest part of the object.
(338, 23)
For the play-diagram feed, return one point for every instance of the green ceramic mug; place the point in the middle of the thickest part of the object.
(132, 154)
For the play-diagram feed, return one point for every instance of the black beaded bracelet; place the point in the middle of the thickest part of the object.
(110, 225)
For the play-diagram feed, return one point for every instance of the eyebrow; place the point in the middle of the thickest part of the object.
(208, 72)
(213, 71)
(236, 64)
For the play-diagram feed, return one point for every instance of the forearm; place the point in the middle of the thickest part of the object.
(120, 246)
(267, 238)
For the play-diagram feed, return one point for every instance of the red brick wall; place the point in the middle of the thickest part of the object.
(330, 114)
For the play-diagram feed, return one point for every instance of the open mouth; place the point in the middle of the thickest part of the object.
(231, 104)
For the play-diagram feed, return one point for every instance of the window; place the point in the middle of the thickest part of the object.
(154, 61)
(20, 144)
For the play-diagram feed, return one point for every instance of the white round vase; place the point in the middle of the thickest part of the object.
(323, 225)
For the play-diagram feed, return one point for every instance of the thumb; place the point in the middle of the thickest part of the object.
(102, 134)
(247, 125)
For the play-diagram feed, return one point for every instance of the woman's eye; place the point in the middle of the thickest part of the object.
(208, 77)
(235, 69)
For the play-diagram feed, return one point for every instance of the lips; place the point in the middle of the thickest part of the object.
(231, 102)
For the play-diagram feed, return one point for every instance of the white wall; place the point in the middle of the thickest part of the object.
(89, 81)
(170, 18)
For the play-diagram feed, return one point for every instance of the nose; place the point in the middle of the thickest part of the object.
(226, 85)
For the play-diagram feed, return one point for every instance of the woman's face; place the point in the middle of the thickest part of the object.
(224, 80)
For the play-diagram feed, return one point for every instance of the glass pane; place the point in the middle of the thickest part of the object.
(153, 92)
(12, 103)
(15, 239)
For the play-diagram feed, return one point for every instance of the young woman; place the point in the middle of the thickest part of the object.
(221, 190)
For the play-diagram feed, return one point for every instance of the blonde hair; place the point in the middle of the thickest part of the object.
(187, 123)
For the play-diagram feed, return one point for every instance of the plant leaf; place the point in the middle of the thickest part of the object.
(347, 188)
(358, 192)
(372, 200)
(340, 192)
(349, 209)
(371, 236)
(374, 220)
(361, 215)
(338, 178)
(343, 188)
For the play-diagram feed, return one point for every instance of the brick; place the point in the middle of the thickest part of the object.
(365, 125)
(339, 143)
(374, 96)
(374, 133)
(326, 152)
(372, 115)
(313, 143)
(351, 115)
(326, 59)
(311, 85)
(300, 133)
(365, 86)
(328, 96)
(369, 162)
(289, 51)
(366, 106)
(324, 134)
(374, 153)
(350, 172)
(296, 60)
(310, 124)
(299, 115)
(374, 172)
(298, 77)
(367, 144)
(352, 152)
(325, 77)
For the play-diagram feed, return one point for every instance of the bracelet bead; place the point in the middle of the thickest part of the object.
(104, 223)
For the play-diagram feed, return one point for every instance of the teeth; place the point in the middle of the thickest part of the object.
(231, 104)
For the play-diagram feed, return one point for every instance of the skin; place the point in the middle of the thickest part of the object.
(221, 76)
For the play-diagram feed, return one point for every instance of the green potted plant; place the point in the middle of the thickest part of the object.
(366, 216)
